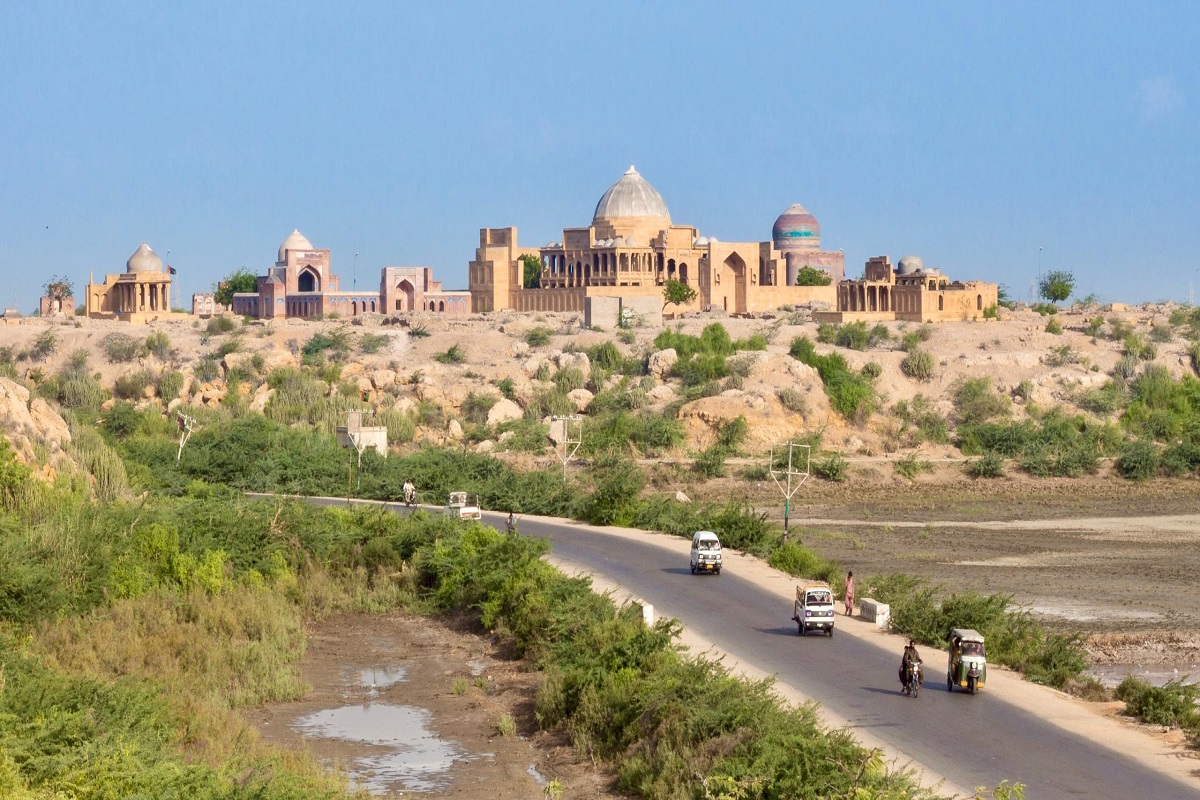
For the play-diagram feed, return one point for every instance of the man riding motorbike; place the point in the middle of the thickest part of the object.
(910, 657)
(410, 493)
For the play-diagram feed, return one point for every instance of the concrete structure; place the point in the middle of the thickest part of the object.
(358, 436)
(876, 612)
(302, 284)
(50, 306)
(911, 292)
(612, 312)
(140, 294)
(632, 248)
(204, 304)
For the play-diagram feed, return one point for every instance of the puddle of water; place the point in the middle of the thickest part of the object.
(402, 752)
(1156, 675)
(1076, 611)
(381, 677)
(537, 776)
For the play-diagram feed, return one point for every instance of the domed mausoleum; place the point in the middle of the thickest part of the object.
(302, 284)
(140, 294)
(620, 263)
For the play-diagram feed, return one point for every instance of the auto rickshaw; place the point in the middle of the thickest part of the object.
(968, 660)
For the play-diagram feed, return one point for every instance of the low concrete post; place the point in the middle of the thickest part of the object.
(877, 612)
(648, 614)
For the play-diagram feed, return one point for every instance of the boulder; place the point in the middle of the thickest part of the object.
(383, 378)
(364, 384)
(505, 410)
(662, 394)
(520, 349)
(486, 446)
(680, 497)
(454, 430)
(578, 361)
(582, 398)
(259, 402)
(660, 363)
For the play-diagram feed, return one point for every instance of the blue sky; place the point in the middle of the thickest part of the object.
(970, 134)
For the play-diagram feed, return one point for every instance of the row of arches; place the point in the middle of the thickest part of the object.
(609, 269)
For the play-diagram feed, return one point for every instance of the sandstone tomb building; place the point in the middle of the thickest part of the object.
(142, 293)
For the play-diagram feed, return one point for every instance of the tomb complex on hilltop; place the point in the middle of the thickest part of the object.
(632, 248)
(302, 284)
(142, 293)
(911, 292)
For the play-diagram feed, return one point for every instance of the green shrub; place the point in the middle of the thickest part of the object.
(568, 380)
(1094, 326)
(1106, 399)
(850, 394)
(131, 386)
(1045, 309)
(418, 330)
(793, 400)
(1172, 705)
(207, 369)
(507, 387)
(1161, 333)
(831, 468)
(158, 345)
(453, 355)
(333, 344)
(918, 364)
(1193, 352)
(914, 338)
(170, 384)
(796, 560)
(44, 345)
(476, 407)
(538, 336)
(219, 324)
(1061, 356)
(910, 466)
(853, 335)
(976, 400)
(989, 465)
(371, 343)
(991, 312)
(1138, 461)
(827, 333)
(1140, 347)
(1118, 329)
(1053, 326)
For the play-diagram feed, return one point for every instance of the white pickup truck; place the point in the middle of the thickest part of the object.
(463, 506)
(814, 607)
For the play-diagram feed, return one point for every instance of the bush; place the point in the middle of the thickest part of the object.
(795, 560)
(1061, 356)
(850, 394)
(914, 338)
(918, 364)
(219, 324)
(1094, 326)
(170, 384)
(831, 468)
(476, 407)
(1139, 347)
(1161, 333)
(418, 330)
(793, 400)
(1053, 326)
(454, 355)
(158, 345)
(910, 466)
(539, 336)
(131, 386)
(1138, 461)
(976, 400)
(207, 369)
(1045, 309)
(371, 343)
(44, 345)
(989, 465)
(1172, 705)
(333, 344)
(1118, 329)
(507, 387)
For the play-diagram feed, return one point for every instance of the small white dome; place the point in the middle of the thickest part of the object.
(144, 260)
(294, 241)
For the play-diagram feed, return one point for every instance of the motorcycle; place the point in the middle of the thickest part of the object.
(410, 496)
(912, 684)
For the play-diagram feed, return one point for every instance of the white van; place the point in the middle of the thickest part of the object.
(706, 552)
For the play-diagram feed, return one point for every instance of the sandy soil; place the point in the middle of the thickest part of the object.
(410, 705)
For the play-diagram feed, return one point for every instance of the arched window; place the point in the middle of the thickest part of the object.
(979, 302)
(941, 302)
(441, 305)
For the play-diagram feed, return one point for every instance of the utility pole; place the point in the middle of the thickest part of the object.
(187, 426)
(572, 438)
(790, 479)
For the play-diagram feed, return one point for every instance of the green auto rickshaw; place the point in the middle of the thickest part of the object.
(968, 660)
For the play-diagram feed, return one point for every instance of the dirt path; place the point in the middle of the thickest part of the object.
(414, 705)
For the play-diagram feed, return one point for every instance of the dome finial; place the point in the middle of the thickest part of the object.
(631, 170)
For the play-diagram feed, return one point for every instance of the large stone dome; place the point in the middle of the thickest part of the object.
(631, 196)
(910, 265)
(295, 241)
(144, 260)
(796, 229)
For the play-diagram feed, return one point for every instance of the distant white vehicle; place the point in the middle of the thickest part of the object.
(706, 553)
(462, 505)
(814, 607)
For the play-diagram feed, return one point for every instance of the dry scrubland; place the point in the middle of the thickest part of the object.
(939, 452)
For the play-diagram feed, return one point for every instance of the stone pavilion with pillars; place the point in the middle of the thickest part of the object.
(909, 291)
(140, 294)
(632, 248)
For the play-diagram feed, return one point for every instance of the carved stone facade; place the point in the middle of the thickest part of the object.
(911, 292)
(140, 294)
(632, 249)
(302, 284)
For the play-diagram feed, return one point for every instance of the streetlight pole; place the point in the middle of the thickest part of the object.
(354, 273)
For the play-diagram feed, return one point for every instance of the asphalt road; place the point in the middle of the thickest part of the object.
(972, 740)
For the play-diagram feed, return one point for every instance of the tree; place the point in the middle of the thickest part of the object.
(1003, 296)
(533, 271)
(809, 276)
(677, 293)
(59, 288)
(1056, 286)
(240, 280)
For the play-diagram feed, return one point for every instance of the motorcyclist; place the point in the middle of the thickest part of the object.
(410, 492)
(911, 656)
